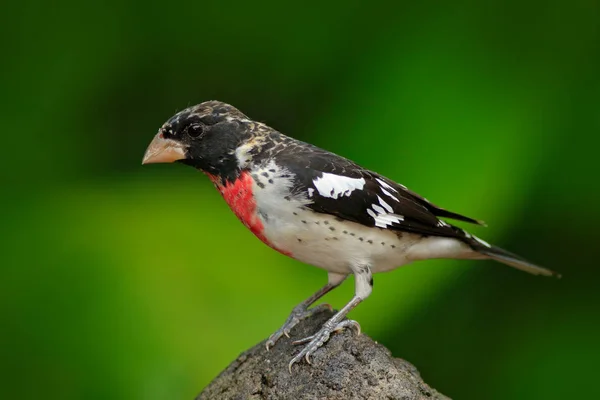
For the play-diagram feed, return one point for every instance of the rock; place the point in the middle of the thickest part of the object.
(347, 367)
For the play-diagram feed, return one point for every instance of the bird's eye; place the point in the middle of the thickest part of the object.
(195, 130)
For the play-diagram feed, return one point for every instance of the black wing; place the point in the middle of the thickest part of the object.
(339, 187)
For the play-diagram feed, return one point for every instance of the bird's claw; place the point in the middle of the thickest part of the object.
(339, 327)
(348, 323)
(319, 339)
(297, 315)
(284, 330)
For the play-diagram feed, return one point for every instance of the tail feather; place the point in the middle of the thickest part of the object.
(498, 254)
(508, 258)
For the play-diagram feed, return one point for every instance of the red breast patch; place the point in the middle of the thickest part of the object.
(239, 197)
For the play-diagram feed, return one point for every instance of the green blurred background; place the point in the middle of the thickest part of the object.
(126, 282)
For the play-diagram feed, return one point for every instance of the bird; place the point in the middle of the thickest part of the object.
(316, 207)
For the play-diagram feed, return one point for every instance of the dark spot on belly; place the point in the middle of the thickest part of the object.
(299, 240)
(352, 234)
(361, 239)
(260, 184)
(327, 239)
(383, 243)
(318, 222)
(399, 234)
(335, 238)
(331, 228)
(263, 215)
(303, 221)
(288, 198)
(346, 232)
(255, 177)
(265, 174)
(295, 213)
(270, 180)
(272, 170)
(393, 246)
(370, 241)
(326, 222)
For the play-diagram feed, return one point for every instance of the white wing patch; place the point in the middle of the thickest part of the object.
(385, 205)
(383, 185)
(334, 186)
(389, 194)
(383, 214)
(385, 220)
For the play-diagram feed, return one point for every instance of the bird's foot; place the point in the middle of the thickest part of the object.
(298, 314)
(320, 338)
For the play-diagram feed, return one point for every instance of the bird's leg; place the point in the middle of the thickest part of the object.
(301, 311)
(363, 288)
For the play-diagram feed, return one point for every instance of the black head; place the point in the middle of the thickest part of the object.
(204, 136)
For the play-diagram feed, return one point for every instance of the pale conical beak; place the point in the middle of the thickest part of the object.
(163, 150)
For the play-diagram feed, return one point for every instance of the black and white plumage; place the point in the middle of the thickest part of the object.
(316, 206)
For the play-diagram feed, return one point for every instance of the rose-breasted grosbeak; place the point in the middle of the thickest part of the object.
(316, 206)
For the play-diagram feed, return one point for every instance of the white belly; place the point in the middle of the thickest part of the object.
(323, 241)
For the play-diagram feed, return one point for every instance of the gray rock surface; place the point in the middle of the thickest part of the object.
(347, 367)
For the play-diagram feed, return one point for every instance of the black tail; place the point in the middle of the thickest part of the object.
(508, 258)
